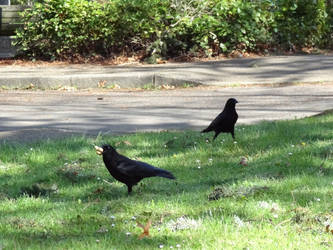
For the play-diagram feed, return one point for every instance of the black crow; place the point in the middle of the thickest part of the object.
(225, 121)
(126, 170)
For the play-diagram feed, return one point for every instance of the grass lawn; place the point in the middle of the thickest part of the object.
(57, 194)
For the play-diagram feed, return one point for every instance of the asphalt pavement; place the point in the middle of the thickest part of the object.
(32, 115)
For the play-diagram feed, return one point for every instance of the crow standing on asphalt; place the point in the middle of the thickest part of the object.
(225, 121)
(126, 170)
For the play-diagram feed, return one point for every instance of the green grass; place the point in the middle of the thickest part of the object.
(280, 200)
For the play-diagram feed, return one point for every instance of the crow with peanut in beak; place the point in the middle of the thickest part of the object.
(128, 171)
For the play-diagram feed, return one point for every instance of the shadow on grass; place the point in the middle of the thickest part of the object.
(284, 156)
(48, 239)
(163, 145)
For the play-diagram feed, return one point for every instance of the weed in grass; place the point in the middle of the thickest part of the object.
(37, 190)
(223, 192)
(149, 86)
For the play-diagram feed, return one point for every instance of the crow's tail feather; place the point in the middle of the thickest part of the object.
(165, 174)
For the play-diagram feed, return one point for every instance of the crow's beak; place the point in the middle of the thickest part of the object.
(99, 150)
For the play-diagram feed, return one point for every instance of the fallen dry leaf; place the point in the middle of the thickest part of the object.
(115, 86)
(167, 86)
(102, 230)
(30, 86)
(66, 88)
(328, 229)
(145, 229)
(101, 84)
(243, 161)
(98, 191)
(124, 142)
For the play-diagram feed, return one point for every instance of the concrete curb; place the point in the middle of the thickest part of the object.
(229, 72)
(135, 80)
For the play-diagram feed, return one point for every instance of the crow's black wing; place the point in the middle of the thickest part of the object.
(216, 122)
(156, 171)
(235, 118)
(133, 168)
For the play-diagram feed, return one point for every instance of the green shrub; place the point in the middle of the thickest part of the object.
(58, 29)
(301, 22)
(233, 25)
(329, 34)
(213, 27)
(136, 24)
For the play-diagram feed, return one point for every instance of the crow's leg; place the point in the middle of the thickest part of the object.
(129, 189)
(216, 134)
(233, 134)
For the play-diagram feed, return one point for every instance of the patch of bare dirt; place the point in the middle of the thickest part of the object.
(137, 59)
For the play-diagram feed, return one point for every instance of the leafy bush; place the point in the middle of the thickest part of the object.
(59, 28)
(328, 37)
(233, 25)
(56, 29)
(300, 23)
(135, 24)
